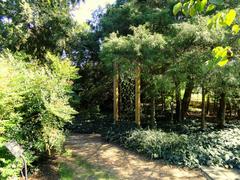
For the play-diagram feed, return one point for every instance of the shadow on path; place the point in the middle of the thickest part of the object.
(123, 163)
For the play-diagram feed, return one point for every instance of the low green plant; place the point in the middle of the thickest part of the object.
(194, 149)
(79, 168)
(65, 172)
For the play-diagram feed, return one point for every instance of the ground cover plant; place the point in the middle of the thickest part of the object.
(193, 149)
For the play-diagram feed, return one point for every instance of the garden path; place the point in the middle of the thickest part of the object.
(123, 163)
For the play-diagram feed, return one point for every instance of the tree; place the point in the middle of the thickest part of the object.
(37, 26)
(34, 105)
(37, 81)
(185, 41)
(225, 18)
(133, 51)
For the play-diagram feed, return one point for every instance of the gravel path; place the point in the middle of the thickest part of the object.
(123, 163)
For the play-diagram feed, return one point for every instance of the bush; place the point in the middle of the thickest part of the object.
(117, 133)
(212, 148)
(34, 106)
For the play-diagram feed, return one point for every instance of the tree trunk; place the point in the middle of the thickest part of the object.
(178, 103)
(163, 103)
(153, 114)
(203, 124)
(208, 105)
(215, 107)
(187, 97)
(238, 114)
(222, 110)
(230, 111)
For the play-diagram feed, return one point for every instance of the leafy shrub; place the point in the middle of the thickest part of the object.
(118, 133)
(90, 122)
(34, 105)
(211, 148)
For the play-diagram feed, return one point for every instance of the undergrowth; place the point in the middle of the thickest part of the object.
(194, 148)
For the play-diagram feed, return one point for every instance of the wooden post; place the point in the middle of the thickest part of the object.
(116, 93)
(138, 95)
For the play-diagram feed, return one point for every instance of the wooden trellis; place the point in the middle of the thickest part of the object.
(137, 94)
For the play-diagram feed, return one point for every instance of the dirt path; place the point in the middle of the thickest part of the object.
(122, 163)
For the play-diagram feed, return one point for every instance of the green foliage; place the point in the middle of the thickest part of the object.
(222, 55)
(142, 47)
(34, 105)
(235, 29)
(230, 16)
(177, 8)
(223, 19)
(157, 84)
(90, 121)
(214, 147)
(8, 165)
(36, 85)
(191, 7)
(38, 26)
(210, 8)
(227, 18)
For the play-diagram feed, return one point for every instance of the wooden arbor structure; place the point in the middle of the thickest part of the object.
(116, 93)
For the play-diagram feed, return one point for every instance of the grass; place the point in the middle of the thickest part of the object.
(196, 97)
(78, 168)
(65, 172)
(192, 109)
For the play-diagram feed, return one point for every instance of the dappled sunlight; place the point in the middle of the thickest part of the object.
(123, 163)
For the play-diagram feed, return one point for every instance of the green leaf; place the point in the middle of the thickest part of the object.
(203, 5)
(230, 17)
(210, 7)
(223, 62)
(235, 29)
(192, 11)
(198, 6)
(185, 8)
(217, 20)
(177, 8)
(210, 23)
(239, 42)
(217, 2)
(220, 52)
